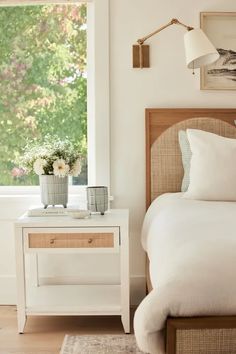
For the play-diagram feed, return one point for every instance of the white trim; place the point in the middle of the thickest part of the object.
(34, 190)
(98, 94)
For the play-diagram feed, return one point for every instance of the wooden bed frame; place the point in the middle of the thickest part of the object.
(214, 335)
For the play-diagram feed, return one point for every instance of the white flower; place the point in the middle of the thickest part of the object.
(39, 166)
(76, 168)
(60, 168)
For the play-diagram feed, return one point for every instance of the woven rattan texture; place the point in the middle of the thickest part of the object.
(206, 341)
(166, 164)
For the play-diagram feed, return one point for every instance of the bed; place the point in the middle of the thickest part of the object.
(204, 332)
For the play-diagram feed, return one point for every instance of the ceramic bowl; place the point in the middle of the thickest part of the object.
(81, 214)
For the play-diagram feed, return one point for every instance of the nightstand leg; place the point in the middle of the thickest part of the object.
(21, 319)
(34, 269)
(125, 319)
(125, 282)
(20, 279)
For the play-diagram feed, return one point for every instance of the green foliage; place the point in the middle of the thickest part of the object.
(42, 81)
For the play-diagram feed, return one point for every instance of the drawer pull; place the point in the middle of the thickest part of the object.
(90, 240)
(52, 241)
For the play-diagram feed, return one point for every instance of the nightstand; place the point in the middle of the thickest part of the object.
(64, 235)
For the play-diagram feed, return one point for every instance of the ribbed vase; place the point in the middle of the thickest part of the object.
(54, 190)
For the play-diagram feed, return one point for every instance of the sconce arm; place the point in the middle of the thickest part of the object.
(174, 21)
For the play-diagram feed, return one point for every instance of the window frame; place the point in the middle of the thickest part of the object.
(98, 95)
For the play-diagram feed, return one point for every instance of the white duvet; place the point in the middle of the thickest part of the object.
(191, 245)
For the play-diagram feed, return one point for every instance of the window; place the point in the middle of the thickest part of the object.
(98, 149)
(43, 82)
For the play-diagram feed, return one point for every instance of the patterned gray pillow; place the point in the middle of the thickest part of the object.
(186, 158)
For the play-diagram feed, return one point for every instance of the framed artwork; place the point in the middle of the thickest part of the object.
(220, 27)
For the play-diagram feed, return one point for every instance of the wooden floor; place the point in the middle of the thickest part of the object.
(44, 335)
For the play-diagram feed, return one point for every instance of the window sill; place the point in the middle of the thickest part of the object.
(34, 190)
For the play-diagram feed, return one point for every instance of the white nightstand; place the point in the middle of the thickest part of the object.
(64, 235)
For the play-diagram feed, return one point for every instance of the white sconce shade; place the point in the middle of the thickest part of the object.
(199, 50)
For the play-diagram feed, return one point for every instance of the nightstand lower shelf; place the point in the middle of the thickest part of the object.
(73, 300)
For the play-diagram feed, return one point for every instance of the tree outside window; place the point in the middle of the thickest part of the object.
(43, 84)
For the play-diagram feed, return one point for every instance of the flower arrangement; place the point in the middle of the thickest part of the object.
(52, 157)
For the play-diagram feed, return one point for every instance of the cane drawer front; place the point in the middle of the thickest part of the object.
(71, 240)
(87, 239)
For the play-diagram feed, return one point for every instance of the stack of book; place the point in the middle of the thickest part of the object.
(52, 211)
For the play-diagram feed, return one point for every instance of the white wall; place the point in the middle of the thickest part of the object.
(166, 84)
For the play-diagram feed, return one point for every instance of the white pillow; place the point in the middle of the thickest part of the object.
(212, 167)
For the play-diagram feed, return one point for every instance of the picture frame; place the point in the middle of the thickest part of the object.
(220, 28)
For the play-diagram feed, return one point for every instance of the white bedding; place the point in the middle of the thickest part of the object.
(191, 245)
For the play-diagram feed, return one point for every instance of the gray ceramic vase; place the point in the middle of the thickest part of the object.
(97, 198)
(54, 190)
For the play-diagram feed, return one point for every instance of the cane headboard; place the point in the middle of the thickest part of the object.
(164, 171)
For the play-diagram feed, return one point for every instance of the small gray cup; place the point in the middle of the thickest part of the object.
(97, 199)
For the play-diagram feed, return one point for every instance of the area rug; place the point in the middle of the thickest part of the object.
(100, 344)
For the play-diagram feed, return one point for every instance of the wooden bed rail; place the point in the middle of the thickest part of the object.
(214, 335)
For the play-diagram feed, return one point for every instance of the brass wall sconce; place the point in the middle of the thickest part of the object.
(199, 51)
